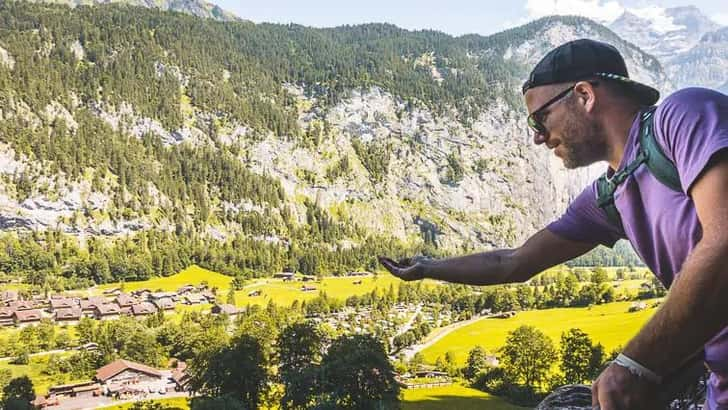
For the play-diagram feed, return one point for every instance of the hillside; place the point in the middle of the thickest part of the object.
(257, 147)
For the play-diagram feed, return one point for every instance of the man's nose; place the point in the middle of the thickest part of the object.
(539, 138)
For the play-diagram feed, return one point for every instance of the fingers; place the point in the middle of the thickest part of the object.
(391, 265)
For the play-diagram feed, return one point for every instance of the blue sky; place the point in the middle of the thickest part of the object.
(455, 17)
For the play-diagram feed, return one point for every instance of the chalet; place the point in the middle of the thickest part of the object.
(121, 372)
(67, 316)
(62, 303)
(432, 374)
(356, 282)
(107, 311)
(88, 306)
(161, 295)
(86, 389)
(22, 305)
(194, 298)
(141, 293)
(209, 295)
(8, 296)
(256, 292)
(186, 289)
(229, 310)
(305, 288)
(143, 309)
(24, 318)
(124, 300)
(286, 276)
(180, 377)
(164, 303)
(309, 278)
(6, 316)
(358, 273)
(113, 292)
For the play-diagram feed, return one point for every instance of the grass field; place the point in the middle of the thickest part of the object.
(180, 402)
(34, 369)
(284, 293)
(454, 397)
(194, 275)
(610, 325)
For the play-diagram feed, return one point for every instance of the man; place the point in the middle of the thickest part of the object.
(585, 109)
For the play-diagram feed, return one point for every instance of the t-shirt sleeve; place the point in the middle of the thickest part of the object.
(584, 221)
(692, 126)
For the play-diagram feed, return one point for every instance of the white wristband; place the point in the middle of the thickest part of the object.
(637, 369)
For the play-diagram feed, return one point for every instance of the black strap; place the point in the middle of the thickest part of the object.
(649, 153)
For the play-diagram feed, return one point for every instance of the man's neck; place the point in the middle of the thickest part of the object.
(617, 129)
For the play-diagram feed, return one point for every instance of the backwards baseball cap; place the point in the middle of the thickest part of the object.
(582, 59)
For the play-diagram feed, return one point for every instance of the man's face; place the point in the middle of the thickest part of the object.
(567, 130)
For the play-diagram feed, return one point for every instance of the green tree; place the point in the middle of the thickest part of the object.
(356, 374)
(299, 355)
(476, 362)
(528, 355)
(18, 394)
(238, 370)
(576, 351)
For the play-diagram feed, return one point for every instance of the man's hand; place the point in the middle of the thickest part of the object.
(406, 269)
(618, 389)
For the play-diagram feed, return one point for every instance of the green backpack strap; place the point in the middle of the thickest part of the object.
(657, 162)
(650, 154)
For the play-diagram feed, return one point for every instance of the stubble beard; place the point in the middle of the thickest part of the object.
(583, 142)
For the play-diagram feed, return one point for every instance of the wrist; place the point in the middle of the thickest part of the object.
(637, 369)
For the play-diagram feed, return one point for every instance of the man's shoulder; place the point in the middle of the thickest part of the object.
(688, 99)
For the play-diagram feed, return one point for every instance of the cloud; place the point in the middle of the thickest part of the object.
(595, 9)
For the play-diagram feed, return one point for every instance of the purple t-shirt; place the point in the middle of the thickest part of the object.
(691, 126)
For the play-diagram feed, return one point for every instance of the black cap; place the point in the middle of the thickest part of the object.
(582, 59)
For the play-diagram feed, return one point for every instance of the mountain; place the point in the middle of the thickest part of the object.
(704, 65)
(261, 146)
(664, 33)
(197, 8)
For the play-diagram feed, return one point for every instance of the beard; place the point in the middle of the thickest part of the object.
(583, 141)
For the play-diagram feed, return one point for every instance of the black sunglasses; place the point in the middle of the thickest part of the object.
(535, 123)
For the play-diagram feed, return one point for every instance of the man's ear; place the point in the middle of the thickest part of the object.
(586, 95)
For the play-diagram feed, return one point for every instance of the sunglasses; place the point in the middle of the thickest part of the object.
(536, 118)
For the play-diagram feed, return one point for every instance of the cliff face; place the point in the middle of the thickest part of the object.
(376, 159)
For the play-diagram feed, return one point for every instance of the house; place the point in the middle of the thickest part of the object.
(186, 289)
(121, 372)
(24, 318)
(161, 295)
(229, 310)
(88, 306)
(358, 273)
(124, 300)
(180, 377)
(286, 276)
(85, 389)
(67, 316)
(8, 296)
(491, 361)
(141, 293)
(22, 305)
(305, 288)
(107, 311)
(6, 316)
(207, 294)
(113, 292)
(62, 303)
(143, 309)
(256, 292)
(194, 298)
(164, 303)
(309, 278)
(432, 374)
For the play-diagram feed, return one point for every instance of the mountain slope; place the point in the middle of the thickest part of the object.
(666, 33)
(323, 147)
(199, 8)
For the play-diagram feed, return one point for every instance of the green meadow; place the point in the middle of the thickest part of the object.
(611, 325)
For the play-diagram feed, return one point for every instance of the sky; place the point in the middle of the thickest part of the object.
(455, 17)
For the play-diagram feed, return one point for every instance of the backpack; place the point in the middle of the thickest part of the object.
(650, 154)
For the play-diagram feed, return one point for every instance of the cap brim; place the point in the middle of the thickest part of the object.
(646, 94)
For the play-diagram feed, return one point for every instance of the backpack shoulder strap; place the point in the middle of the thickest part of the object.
(657, 162)
(605, 200)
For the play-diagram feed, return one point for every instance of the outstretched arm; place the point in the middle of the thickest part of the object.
(540, 252)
